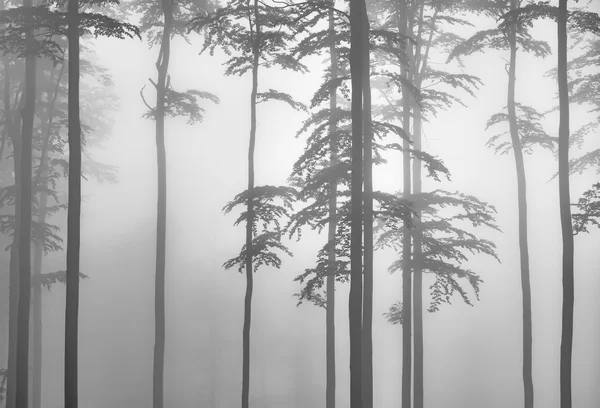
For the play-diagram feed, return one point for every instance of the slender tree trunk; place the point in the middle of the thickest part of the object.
(330, 284)
(73, 215)
(162, 66)
(367, 329)
(357, 20)
(27, 113)
(13, 301)
(420, 68)
(41, 180)
(522, 200)
(566, 347)
(250, 222)
(417, 237)
(406, 23)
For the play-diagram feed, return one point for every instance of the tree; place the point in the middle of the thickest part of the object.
(511, 36)
(566, 346)
(258, 34)
(73, 214)
(358, 18)
(27, 115)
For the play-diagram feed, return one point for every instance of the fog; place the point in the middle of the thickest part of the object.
(473, 355)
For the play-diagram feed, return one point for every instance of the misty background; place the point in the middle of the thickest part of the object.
(472, 354)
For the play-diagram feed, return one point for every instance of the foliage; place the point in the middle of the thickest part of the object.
(529, 127)
(446, 247)
(184, 104)
(50, 23)
(589, 207)
(48, 279)
(271, 205)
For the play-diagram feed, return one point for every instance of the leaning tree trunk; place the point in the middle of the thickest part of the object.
(162, 66)
(73, 214)
(330, 283)
(250, 211)
(357, 20)
(406, 26)
(28, 113)
(566, 347)
(522, 200)
(367, 328)
(41, 180)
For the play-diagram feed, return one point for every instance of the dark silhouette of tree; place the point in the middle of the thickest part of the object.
(162, 66)
(73, 214)
(358, 18)
(27, 115)
(511, 37)
(566, 346)
(258, 35)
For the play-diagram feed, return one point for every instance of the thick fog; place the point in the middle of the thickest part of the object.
(473, 354)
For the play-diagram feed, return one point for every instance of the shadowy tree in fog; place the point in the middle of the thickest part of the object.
(17, 27)
(168, 103)
(524, 131)
(358, 33)
(254, 35)
(27, 115)
(583, 22)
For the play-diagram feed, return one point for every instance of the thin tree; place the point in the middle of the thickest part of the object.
(566, 346)
(332, 226)
(162, 66)
(73, 214)
(357, 44)
(406, 28)
(27, 114)
(367, 314)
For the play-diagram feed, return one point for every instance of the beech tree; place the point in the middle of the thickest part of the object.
(254, 35)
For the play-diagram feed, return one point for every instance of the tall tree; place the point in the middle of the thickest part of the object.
(522, 205)
(332, 226)
(357, 44)
(73, 214)
(264, 35)
(162, 66)
(367, 314)
(27, 114)
(566, 346)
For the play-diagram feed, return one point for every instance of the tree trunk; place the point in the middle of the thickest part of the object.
(566, 347)
(73, 214)
(250, 222)
(420, 68)
(162, 66)
(357, 20)
(522, 200)
(41, 180)
(330, 284)
(12, 130)
(367, 329)
(406, 27)
(27, 113)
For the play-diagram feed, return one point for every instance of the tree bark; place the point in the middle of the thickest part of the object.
(250, 207)
(73, 214)
(406, 27)
(367, 328)
(27, 113)
(357, 8)
(522, 203)
(162, 66)
(12, 130)
(41, 180)
(566, 347)
(331, 234)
